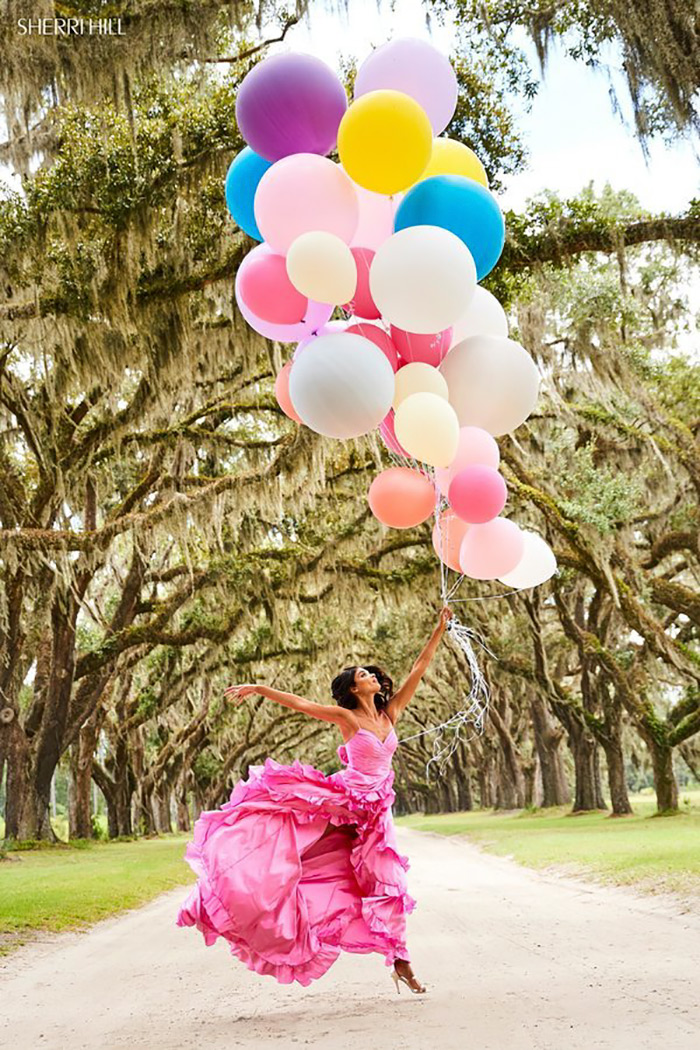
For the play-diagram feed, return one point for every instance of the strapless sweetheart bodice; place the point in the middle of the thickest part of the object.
(367, 754)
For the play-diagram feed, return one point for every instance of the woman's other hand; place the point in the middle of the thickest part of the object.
(237, 693)
(446, 615)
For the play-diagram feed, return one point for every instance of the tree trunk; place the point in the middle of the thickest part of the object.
(81, 758)
(617, 782)
(665, 783)
(548, 736)
(162, 810)
(588, 794)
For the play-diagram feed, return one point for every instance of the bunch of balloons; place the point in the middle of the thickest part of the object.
(395, 238)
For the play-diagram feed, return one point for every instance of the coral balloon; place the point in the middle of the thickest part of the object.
(282, 392)
(322, 267)
(315, 318)
(484, 316)
(477, 494)
(418, 378)
(427, 349)
(476, 446)
(388, 435)
(536, 566)
(384, 141)
(491, 550)
(493, 383)
(303, 193)
(454, 158)
(448, 533)
(242, 178)
(379, 337)
(266, 289)
(401, 497)
(427, 427)
(362, 304)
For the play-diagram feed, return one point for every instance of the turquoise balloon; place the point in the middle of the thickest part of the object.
(462, 206)
(242, 179)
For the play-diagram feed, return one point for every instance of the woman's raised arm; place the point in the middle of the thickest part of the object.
(403, 695)
(325, 712)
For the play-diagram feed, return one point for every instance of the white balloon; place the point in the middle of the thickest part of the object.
(426, 426)
(341, 385)
(484, 316)
(493, 383)
(321, 267)
(416, 378)
(422, 279)
(536, 566)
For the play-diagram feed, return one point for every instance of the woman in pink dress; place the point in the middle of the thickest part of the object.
(299, 865)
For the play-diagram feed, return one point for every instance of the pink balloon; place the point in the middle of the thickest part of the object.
(388, 435)
(430, 349)
(448, 533)
(332, 328)
(267, 291)
(379, 337)
(478, 494)
(401, 497)
(491, 550)
(475, 446)
(362, 304)
(282, 392)
(376, 222)
(317, 314)
(301, 193)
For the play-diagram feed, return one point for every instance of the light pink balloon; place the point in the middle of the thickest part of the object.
(301, 193)
(376, 223)
(491, 550)
(477, 494)
(316, 315)
(266, 289)
(332, 328)
(448, 533)
(282, 392)
(379, 337)
(388, 435)
(362, 304)
(475, 446)
(416, 68)
(430, 349)
(401, 497)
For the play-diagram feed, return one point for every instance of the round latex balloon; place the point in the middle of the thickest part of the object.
(282, 392)
(418, 378)
(493, 383)
(417, 69)
(304, 193)
(536, 566)
(427, 427)
(484, 316)
(378, 336)
(376, 218)
(454, 158)
(401, 497)
(362, 304)
(476, 446)
(331, 328)
(265, 289)
(322, 267)
(388, 435)
(288, 104)
(462, 206)
(341, 385)
(448, 533)
(477, 494)
(242, 178)
(491, 550)
(428, 349)
(384, 141)
(422, 279)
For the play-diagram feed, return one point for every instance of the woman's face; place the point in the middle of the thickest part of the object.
(365, 681)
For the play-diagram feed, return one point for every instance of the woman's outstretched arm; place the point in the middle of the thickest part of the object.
(403, 695)
(325, 712)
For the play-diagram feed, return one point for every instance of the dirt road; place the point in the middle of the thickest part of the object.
(513, 960)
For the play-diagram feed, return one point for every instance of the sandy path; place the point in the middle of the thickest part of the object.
(513, 960)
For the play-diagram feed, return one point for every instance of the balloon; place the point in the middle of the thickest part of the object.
(379, 337)
(322, 267)
(362, 304)
(536, 565)
(333, 327)
(342, 385)
(416, 68)
(448, 533)
(422, 279)
(401, 497)
(491, 550)
(317, 314)
(304, 193)
(242, 178)
(376, 218)
(493, 383)
(476, 446)
(388, 435)
(429, 349)
(483, 316)
(418, 378)
(450, 157)
(462, 206)
(477, 494)
(288, 104)
(282, 392)
(427, 427)
(384, 141)
(265, 289)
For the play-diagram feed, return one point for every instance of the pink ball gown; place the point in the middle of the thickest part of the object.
(284, 884)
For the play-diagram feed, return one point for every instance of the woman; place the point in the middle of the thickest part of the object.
(298, 865)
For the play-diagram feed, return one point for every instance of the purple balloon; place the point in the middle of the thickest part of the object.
(416, 68)
(290, 104)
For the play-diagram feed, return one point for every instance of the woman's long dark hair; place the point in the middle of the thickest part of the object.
(343, 683)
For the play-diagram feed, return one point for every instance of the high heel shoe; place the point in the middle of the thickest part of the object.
(396, 977)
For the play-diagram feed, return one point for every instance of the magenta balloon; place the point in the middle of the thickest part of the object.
(429, 349)
(475, 446)
(388, 435)
(416, 68)
(379, 337)
(266, 289)
(362, 304)
(478, 494)
(491, 550)
(316, 316)
(290, 104)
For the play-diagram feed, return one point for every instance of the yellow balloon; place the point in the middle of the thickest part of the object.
(454, 158)
(428, 428)
(385, 141)
(417, 378)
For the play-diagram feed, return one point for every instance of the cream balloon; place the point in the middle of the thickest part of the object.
(493, 383)
(484, 316)
(536, 566)
(418, 378)
(427, 427)
(341, 385)
(422, 279)
(322, 263)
